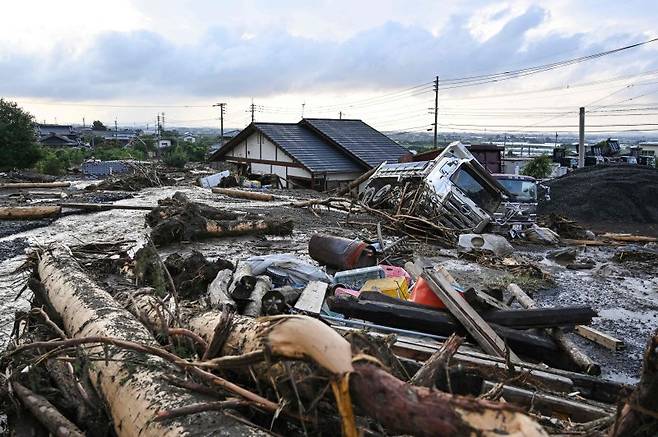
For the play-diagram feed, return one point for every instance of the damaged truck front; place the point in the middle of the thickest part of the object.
(453, 189)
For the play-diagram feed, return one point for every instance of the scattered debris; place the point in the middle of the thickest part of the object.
(378, 339)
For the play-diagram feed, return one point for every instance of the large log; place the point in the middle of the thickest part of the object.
(399, 406)
(29, 212)
(134, 394)
(242, 194)
(21, 185)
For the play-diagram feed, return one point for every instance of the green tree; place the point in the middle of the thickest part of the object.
(18, 141)
(539, 167)
(98, 125)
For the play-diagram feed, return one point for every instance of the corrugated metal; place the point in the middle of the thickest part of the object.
(360, 140)
(309, 149)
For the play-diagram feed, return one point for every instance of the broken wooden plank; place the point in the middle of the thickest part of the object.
(29, 212)
(312, 297)
(599, 337)
(468, 317)
(242, 194)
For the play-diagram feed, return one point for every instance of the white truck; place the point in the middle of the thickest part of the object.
(453, 189)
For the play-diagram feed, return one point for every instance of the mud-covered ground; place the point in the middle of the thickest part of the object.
(623, 295)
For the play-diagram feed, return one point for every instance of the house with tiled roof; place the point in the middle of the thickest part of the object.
(313, 153)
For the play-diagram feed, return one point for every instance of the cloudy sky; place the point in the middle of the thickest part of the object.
(130, 59)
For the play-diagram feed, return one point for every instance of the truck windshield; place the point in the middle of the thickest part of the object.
(484, 196)
(521, 191)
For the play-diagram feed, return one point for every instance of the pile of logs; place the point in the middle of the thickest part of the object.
(214, 372)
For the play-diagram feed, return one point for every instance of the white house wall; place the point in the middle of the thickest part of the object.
(257, 147)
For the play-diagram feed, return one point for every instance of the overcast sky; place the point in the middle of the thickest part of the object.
(130, 59)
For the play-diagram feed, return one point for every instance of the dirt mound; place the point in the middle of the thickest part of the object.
(606, 194)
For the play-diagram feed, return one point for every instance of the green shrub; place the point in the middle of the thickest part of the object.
(175, 156)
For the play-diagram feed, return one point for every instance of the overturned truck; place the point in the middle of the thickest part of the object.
(453, 189)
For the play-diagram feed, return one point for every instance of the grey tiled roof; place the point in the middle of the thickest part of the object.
(309, 149)
(365, 143)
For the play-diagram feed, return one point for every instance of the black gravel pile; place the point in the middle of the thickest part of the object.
(606, 194)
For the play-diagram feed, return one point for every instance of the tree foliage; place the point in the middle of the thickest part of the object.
(98, 125)
(18, 142)
(539, 167)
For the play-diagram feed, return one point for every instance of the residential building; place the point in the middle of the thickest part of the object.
(58, 135)
(313, 153)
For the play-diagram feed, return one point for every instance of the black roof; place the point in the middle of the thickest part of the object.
(307, 148)
(363, 142)
(325, 145)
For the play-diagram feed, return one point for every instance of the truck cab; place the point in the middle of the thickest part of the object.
(521, 206)
(453, 189)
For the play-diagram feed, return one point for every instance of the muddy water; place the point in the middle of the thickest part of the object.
(625, 298)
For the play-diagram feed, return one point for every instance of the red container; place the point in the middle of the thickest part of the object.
(423, 294)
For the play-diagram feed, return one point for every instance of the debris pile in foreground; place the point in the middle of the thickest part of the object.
(122, 341)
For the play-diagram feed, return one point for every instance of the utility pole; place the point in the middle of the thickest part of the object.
(115, 129)
(555, 139)
(221, 121)
(581, 138)
(340, 115)
(303, 105)
(252, 108)
(83, 122)
(163, 122)
(436, 109)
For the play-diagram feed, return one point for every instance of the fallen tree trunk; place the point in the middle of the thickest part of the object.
(134, 393)
(19, 185)
(241, 194)
(574, 353)
(29, 212)
(399, 406)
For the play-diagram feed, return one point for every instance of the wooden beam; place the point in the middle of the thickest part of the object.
(467, 316)
(599, 337)
(263, 161)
